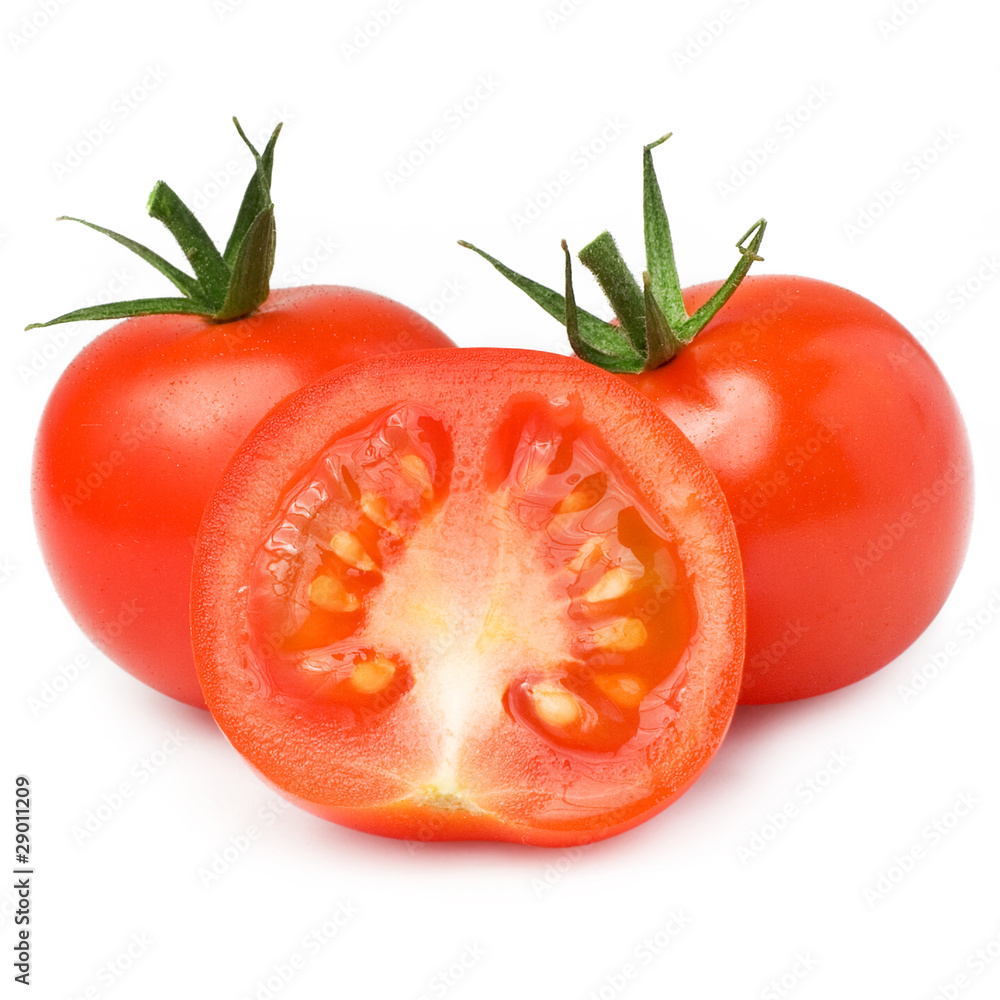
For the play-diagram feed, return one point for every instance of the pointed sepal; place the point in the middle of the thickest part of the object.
(652, 320)
(224, 286)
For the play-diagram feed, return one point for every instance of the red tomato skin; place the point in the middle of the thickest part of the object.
(136, 434)
(846, 465)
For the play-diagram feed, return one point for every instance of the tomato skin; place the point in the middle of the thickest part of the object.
(136, 433)
(847, 467)
(524, 789)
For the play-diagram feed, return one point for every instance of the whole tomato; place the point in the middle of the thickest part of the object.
(835, 438)
(141, 424)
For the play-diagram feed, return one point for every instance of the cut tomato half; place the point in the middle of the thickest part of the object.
(471, 594)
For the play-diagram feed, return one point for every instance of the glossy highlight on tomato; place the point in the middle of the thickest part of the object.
(470, 594)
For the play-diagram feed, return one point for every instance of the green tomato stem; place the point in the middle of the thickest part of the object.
(604, 261)
(224, 286)
(652, 321)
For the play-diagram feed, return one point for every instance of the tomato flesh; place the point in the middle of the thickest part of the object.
(482, 624)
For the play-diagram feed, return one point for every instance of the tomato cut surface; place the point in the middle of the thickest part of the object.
(471, 594)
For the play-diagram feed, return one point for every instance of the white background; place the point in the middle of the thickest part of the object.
(126, 912)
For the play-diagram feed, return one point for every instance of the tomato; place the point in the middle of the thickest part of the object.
(136, 434)
(846, 464)
(142, 422)
(837, 443)
(470, 594)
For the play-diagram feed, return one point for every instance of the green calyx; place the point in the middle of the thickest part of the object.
(225, 285)
(652, 322)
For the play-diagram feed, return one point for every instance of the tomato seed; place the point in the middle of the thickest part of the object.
(376, 509)
(348, 548)
(589, 554)
(615, 583)
(626, 690)
(621, 636)
(554, 705)
(415, 470)
(328, 593)
(372, 676)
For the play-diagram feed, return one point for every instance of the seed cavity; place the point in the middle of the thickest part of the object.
(554, 705)
(621, 636)
(328, 593)
(372, 676)
(348, 548)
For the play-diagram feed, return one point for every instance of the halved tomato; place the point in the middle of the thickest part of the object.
(471, 594)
